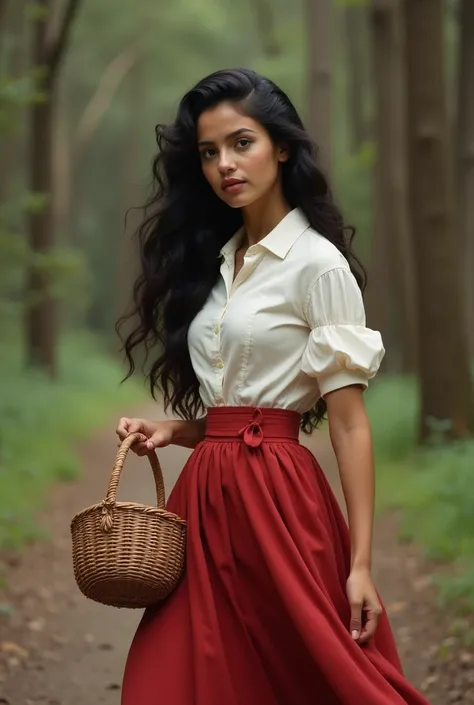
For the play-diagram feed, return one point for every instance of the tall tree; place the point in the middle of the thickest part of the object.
(465, 149)
(390, 177)
(319, 40)
(3, 11)
(265, 15)
(133, 194)
(50, 39)
(355, 17)
(445, 379)
(12, 142)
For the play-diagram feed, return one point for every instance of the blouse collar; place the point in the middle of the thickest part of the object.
(279, 241)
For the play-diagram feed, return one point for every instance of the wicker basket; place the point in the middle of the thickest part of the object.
(127, 554)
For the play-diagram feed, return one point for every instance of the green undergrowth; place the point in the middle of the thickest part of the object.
(41, 422)
(433, 488)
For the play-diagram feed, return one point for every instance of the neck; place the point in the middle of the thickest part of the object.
(262, 216)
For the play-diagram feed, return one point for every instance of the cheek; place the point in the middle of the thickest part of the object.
(209, 172)
(263, 164)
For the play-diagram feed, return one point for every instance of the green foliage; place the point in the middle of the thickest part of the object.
(432, 487)
(13, 258)
(41, 421)
(64, 266)
(15, 95)
(36, 11)
(393, 406)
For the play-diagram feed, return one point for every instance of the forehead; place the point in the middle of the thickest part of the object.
(217, 123)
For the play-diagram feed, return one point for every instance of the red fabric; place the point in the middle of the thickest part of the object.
(261, 616)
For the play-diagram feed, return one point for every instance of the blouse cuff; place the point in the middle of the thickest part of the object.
(343, 378)
(342, 355)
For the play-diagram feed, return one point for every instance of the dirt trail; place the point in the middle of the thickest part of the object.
(57, 648)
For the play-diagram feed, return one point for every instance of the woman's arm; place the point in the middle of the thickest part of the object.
(186, 434)
(349, 429)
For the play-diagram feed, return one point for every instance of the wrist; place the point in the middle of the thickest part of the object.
(177, 428)
(187, 433)
(361, 565)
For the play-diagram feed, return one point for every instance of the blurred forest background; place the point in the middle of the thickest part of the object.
(386, 87)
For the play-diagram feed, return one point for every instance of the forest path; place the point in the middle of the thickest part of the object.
(57, 648)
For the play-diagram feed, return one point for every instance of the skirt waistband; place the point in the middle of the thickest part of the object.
(252, 425)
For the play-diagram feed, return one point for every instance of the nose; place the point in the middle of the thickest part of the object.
(226, 162)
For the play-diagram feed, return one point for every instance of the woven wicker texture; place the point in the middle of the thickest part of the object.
(127, 554)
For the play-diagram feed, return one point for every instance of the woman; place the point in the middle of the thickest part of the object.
(249, 293)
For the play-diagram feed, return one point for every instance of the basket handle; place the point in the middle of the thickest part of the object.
(111, 497)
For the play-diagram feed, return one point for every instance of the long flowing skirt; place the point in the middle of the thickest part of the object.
(261, 616)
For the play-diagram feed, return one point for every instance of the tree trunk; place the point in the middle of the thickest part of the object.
(41, 314)
(445, 379)
(319, 38)
(465, 145)
(358, 81)
(41, 311)
(12, 141)
(62, 173)
(391, 175)
(378, 296)
(3, 12)
(265, 17)
(133, 196)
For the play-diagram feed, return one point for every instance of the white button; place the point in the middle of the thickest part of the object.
(216, 329)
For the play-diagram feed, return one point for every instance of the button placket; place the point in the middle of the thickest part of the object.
(250, 262)
(218, 362)
(227, 269)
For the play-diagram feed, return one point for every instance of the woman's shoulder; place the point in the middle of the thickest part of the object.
(313, 254)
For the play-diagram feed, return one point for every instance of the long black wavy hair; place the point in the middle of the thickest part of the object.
(185, 225)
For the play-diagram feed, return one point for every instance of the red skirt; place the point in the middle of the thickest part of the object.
(261, 616)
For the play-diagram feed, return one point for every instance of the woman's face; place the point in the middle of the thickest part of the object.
(238, 157)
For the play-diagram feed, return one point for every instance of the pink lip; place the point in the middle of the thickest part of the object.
(233, 185)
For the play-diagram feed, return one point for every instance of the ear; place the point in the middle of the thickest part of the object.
(283, 153)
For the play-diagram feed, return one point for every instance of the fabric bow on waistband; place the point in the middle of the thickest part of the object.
(253, 432)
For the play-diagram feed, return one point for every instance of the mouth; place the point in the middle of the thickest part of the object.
(233, 185)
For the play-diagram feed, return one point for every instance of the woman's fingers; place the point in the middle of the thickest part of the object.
(356, 619)
(159, 435)
(127, 426)
(140, 449)
(160, 438)
(372, 616)
(135, 426)
(365, 606)
(122, 428)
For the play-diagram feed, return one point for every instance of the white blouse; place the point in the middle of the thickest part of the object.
(289, 329)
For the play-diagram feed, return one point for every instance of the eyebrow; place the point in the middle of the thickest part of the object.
(236, 133)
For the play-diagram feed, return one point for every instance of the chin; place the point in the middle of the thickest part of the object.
(239, 201)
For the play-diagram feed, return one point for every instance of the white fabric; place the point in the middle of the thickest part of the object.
(289, 329)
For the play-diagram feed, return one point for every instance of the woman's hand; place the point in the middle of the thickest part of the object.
(365, 605)
(158, 433)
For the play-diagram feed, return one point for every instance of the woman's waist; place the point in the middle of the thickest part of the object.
(252, 425)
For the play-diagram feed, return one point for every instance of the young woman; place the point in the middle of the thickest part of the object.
(250, 297)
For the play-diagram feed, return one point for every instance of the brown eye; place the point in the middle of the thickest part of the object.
(208, 153)
(243, 143)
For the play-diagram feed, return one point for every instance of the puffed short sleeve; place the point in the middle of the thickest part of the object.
(341, 350)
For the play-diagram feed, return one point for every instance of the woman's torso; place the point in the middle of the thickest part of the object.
(248, 342)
